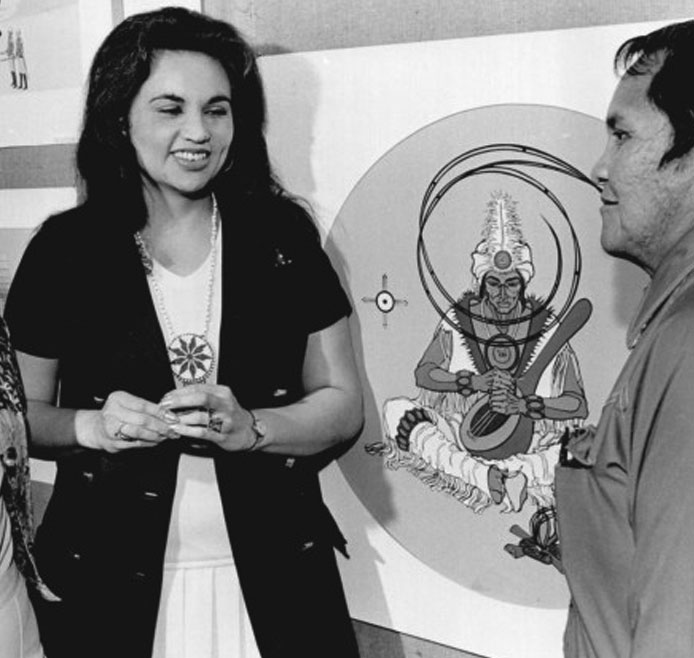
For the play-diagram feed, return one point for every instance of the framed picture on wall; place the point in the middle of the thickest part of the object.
(41, 81)
(41, 71)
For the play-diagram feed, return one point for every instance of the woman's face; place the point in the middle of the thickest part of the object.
(181, 124)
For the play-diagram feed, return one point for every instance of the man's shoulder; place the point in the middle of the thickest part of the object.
(674, 330)
(680, 307)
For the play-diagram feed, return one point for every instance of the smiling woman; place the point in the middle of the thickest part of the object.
(181, 124)
(160, 384)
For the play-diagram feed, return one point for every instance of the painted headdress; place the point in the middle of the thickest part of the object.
(502, 248)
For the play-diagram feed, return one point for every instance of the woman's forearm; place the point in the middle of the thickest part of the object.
(331, 412)
(325, 418)
(51, 429)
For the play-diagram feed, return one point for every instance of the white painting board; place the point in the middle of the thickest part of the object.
(335, 117)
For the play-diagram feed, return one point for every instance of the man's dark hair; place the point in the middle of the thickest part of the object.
(668, 54)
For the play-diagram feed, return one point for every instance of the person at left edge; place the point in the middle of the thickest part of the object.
(19, 633)
(187, 358)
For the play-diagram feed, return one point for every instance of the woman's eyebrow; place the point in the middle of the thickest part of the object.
(167, 97)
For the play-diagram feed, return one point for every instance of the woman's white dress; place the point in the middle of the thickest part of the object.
(202, 612)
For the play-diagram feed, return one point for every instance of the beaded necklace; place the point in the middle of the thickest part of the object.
(191, 355)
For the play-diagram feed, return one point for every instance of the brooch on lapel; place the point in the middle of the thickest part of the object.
(280, 259)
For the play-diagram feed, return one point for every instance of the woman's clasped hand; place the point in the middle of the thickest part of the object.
(211, 413)
(125, 422)
(206, 412)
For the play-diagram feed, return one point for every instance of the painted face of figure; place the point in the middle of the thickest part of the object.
(646, 206)
(503, 290)
(181, 123)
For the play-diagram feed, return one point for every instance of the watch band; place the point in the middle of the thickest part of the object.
(259, 429)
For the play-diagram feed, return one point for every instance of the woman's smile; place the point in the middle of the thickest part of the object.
(181, 123)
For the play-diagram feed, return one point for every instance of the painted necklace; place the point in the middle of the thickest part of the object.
(502, 350)
(191, 355)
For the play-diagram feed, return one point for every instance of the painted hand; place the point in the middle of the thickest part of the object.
(504, 401)
(483, 383)
(502, 379)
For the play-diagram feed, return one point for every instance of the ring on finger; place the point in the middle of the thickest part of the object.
(121, 435)
(214, 424)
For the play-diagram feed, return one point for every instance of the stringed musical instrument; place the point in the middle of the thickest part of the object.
(493, 435)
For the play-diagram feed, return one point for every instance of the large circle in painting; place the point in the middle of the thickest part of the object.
(373, 243)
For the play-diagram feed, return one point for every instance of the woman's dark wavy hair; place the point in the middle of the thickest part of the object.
(667, 53)
(106, 160)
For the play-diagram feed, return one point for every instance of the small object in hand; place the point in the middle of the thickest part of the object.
(259, 429)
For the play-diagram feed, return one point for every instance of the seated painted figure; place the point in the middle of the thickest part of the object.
(498, 383)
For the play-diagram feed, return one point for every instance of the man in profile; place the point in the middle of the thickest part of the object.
(625, 489)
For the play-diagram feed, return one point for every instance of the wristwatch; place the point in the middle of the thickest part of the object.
(259, 428)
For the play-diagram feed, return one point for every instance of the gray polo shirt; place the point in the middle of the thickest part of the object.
(626, 501)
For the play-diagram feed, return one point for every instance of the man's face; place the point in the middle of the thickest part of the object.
(645, 206)
(503, 290)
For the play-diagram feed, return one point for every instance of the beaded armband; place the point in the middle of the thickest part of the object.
(535, 407)
(464, 381)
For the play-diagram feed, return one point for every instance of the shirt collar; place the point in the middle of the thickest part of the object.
(677, 265)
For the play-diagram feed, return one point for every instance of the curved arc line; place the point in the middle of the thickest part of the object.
(503, 167)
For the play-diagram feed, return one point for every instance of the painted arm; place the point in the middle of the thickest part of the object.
(433, 374)
(569, 405)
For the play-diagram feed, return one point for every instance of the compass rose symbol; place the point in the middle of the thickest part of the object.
(384, 300)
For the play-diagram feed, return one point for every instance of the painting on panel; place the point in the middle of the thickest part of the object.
(39, 45)
(464, 249)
